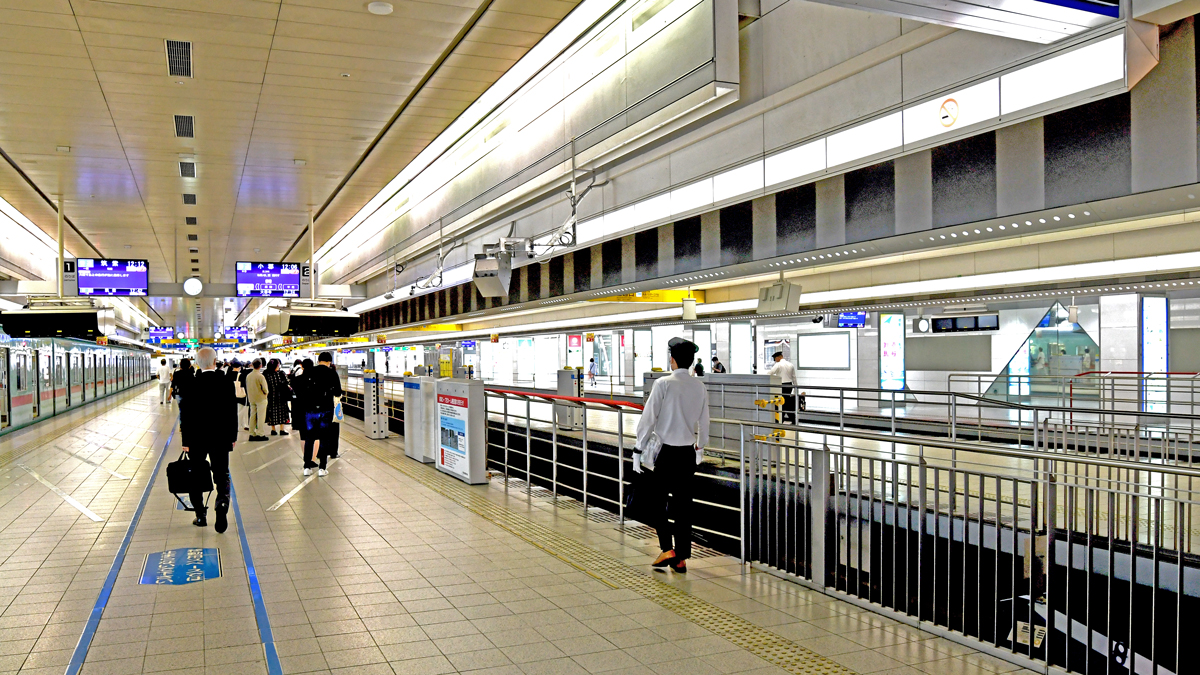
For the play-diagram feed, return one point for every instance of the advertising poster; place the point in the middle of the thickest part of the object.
(452, 435)
(1154, 352)
(891, 351)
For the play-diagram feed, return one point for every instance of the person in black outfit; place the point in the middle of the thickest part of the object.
(208, 428)
(245, 400)
(279, 396)
(181, 378)
(320, 386)
(717, 366)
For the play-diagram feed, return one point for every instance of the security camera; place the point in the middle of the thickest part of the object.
(818, 319)
(388, 295)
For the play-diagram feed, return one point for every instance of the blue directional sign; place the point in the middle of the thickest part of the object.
(180, 566)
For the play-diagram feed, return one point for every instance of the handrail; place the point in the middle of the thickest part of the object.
(957, 445)
(612, 403)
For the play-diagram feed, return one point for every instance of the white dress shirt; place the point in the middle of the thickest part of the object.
(677, 410)
(785, 370)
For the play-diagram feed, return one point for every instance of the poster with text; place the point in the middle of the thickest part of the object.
(452, 437)
(891, 352)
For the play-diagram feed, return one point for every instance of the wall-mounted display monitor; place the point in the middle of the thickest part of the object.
(112, 277)
(237, 333)
(268, 280)
(966, 324)
(160, 333)
(852, 320)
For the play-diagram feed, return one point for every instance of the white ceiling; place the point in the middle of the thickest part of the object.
(275, 81)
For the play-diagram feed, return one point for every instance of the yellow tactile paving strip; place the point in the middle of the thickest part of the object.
(754, 639)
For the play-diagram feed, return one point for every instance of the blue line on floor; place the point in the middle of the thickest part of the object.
(93, 622)
(260, 608)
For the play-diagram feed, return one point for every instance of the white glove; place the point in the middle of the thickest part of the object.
(637, 462)
(699, 455)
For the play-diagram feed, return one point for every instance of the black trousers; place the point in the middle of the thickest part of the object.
(218, 459)
(330, 438)
(789, 405)
(671, 498)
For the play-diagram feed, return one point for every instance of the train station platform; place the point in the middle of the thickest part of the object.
(384, 566)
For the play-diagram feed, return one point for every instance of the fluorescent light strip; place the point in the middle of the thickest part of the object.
(453, 276)
(543, 53)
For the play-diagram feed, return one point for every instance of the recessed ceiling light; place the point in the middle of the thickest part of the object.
(299, 162)
(1040, 220)
(1087, 213)
(1057, 218)
(380, 8)
(1070, 215)
(345, 74)
(63, 148)
(989, 229)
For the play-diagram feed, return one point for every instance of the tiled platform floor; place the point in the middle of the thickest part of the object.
(386, 567)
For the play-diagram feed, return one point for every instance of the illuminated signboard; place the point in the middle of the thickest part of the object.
(1154, 353)
(891, 352)
(113, 277)
(268, 280)
(160, 333)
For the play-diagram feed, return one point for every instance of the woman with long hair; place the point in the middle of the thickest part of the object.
(278, 396)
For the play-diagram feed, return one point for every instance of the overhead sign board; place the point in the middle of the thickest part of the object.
(781, 296)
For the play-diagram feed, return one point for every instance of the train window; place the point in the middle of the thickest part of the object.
(21, 364)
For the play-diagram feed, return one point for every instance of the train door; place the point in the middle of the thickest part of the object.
(22, 393)
(5, 394)
(121, 371)
(89, 375)
(45, 383)
(78, 393)
(60, 380)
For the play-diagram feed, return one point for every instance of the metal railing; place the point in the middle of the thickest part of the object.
(1061, 552)
(1131, 391)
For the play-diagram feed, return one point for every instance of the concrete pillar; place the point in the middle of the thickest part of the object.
(914, 192)
(831, 212)
(710, 239)
(764, 228)
(1020, 168)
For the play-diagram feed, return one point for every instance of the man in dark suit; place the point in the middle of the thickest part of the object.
(209, 429)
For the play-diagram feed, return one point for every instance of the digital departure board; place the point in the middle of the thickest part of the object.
(268, 280)
(237, 333)
(852, 320)
(160, 333)
(112, 277)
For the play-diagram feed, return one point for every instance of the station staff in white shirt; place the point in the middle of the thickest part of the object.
(677, 412)
(164, 382)
(787, 376)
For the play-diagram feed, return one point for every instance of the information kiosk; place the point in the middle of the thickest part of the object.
(462, 430)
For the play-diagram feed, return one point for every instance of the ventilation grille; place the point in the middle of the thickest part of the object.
(189, 198)
(179, 58)
(187, 169)
(190, 220)
(195, 269)
(195, 260)
(193, 237)
(185, 126)
(193, 250)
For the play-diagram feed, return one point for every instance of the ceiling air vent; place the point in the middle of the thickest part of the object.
(185, 126)
(179, 58)
(195, 260)
(187, 169)
(195, 269)
(189, 199)
(190, 220)
(193, 237)
(193, 250)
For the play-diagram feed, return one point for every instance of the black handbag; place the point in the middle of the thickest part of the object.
(188, 476)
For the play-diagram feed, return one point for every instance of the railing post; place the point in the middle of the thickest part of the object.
(742, 475)
(1035, 429)
(818, 510)
(953, 417)
(583, 409)
(553, 452)
(506, 443)
(621, 464)
(842, 409)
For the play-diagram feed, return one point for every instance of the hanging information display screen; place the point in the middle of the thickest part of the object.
(452, 436)
(160, 333)
(891, 352)
(113, 277)
(268, 280)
